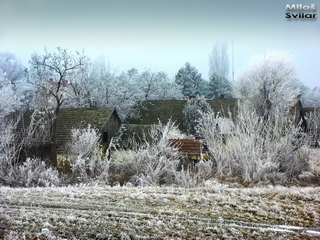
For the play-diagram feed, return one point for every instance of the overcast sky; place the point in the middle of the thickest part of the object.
(161, 35)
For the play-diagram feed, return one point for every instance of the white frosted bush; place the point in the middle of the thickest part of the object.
(83, 141)
(31, 173)
(154, 159)
(256, 150)
(87, 161)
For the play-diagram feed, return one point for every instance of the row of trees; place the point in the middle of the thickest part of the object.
(69, 79)
(65, 79)
(62, 78)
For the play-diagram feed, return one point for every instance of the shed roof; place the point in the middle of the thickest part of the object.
(70, 118)
(150, 112)
(188, 146)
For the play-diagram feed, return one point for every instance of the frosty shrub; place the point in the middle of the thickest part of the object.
(154, 160)
(9, 148)
(35, 173)
(39, 130)
(31, 173)
(83, 141)
(194, 177)
(192, 112)
(256, 149)
(87, 161)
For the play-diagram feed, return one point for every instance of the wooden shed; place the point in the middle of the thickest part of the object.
(105, 120)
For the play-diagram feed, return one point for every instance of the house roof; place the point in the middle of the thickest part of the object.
(70, 118)
(151, 112)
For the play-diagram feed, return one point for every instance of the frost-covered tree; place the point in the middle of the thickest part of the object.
(311, 97)
(104, 88)
(219, 86)
(14, 88)
(132, 87)
(192, 112)
(219, 72)
(11, 67)
(157, 86)
(313, 125)
(95, 86)
(268, 86)
(190, 81)
(219, 60)
(52, 73)
(265, 144)
(9, 101)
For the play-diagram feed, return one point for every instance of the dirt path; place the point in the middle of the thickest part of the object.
(216, 211)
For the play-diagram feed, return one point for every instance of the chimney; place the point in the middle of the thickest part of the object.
(222, 96)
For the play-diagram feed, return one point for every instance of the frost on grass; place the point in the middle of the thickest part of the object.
(212, 211)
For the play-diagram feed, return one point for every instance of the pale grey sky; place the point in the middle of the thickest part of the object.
(161, 35)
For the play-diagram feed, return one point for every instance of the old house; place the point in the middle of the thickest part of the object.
(153, 111)
(105, 120)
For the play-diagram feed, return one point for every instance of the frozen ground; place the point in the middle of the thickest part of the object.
(214, 211)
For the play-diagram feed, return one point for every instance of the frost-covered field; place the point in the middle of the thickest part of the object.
(214, 211)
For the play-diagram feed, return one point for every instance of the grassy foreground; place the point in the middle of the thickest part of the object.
(214, 211)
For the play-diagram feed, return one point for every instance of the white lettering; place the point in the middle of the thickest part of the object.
(301, 7)
(292, 7)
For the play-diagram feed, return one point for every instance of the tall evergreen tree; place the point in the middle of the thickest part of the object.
(218, 86)
(190, 81)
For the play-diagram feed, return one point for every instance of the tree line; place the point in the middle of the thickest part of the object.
(62, 78)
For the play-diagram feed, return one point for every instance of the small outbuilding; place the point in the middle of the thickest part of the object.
(105, 120)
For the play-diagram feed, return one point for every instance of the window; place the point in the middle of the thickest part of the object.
(105, 137)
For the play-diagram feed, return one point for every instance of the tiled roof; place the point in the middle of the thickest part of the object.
(70, 118)
(150, 112)
(188, 146)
